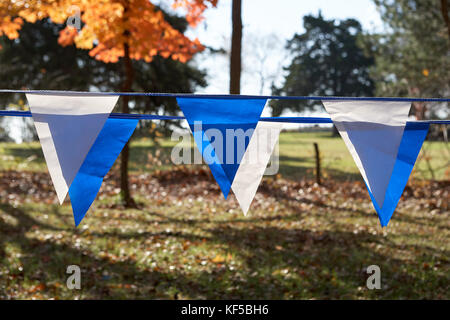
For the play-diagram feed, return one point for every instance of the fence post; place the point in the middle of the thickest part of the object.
(316, 149)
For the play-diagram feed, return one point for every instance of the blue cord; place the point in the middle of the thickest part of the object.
(216, 96)
(224, 96)
(13, 113)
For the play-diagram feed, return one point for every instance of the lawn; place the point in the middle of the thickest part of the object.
(297, 158)
(299, 240)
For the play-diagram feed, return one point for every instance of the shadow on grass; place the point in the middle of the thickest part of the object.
(45, 261)
(23, 153)
(275, 262)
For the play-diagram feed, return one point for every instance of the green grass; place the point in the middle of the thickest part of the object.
(184, 247)
(297, 159)
(299, 241)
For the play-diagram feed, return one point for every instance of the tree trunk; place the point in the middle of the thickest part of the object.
(444, 10)
(236, 44)
(125, 194)
(420, 108)
(334, 132)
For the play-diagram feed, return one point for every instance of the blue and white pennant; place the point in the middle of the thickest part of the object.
(383, 145)
(210, 119)
(79, 142)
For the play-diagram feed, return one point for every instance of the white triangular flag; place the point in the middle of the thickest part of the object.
(254, 162)
(68, 125)
(372, 131)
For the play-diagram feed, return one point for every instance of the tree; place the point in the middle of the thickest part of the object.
(236, 48)
(326, 61)
(444, 10)
(412, 56)
(113, 30)
(36, 61)
(4, 136)
(263, 59)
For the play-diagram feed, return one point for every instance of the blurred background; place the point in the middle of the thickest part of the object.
(164, 230)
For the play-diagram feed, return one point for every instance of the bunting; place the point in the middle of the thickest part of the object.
(222, 130)
(382, 145)
(101, 157)
(254, 162)
(67, 126)
(413, 137)
(79, 142)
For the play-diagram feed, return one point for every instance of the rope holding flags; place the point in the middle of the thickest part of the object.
(81, 139)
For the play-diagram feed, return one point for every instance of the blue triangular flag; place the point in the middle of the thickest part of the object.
(211, 120)
(413, 137)
(99, 160)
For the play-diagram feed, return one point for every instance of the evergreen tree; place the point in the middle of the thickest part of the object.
(413, 55)
(327, 60)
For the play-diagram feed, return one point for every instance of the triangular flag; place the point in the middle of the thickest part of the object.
(67, 126)
(375, 132)
(413, 138)
(110, 142)
(254, 162)
(222, 130)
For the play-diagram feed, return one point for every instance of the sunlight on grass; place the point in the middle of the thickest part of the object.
(296, 157)
(180, 248)
(299, 241)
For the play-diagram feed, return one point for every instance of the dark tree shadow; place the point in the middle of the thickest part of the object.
(276, 263)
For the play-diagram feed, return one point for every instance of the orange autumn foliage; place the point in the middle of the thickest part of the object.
(194, 8)
(107, 25)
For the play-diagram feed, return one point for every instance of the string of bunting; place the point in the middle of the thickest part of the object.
(81, 139)
(115, 115)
